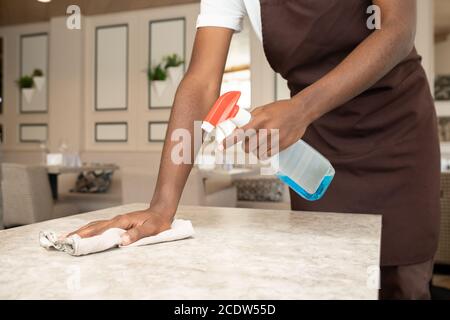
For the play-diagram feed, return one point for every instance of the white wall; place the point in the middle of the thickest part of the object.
(138, 114)
(11, 118)
(443, 57)
(262, 75)
(71, 114)
(66, 85)
(425, 37)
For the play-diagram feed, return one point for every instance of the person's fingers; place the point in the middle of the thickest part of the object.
(254, 124)
(90, 224)
(274, 146)
(121, 221)
(262, 151)
(244, 133)
(271, 148)
(263, 139)
(251, 143)
(92, 230)
(134, 234)
(236, 137)
(85, 227)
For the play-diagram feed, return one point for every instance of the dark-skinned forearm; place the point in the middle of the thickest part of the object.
(366, 65)
(192, 102)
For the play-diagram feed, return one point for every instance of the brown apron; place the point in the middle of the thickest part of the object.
(383, 143)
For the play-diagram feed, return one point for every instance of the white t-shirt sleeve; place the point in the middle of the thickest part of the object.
(222, 13)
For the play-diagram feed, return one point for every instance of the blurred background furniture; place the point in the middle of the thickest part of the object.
(90, 201)
(262, 192)
(1, 201)
(440, 284)
(27, 197)
(55, 171)
(138, 185)
(63, 180)
(443, 253)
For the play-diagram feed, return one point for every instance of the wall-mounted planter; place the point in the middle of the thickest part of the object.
(39, 82)
(159, 86)
(175, 74)
(27, 94)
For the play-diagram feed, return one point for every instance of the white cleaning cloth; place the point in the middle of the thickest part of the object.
(77, 246)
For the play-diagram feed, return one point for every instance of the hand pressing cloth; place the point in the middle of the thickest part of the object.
(111, 238)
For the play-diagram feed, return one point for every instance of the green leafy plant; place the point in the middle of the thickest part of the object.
(25, 82)
(157, 73)
(38, 73)
(173, 60)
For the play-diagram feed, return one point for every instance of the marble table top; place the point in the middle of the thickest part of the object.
(235, 254)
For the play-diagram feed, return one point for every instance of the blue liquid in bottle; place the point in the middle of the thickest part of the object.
(304, 170)
(302, 192)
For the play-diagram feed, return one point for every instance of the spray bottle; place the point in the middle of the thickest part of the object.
(300, 166)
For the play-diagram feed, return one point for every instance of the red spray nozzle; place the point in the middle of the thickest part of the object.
(225, 108)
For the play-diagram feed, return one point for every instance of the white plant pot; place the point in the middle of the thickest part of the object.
(27, 94)
(39, 82)
(159, 86)
(175, 74)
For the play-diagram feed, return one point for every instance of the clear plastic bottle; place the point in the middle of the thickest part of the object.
(304, 170)
(300, 166)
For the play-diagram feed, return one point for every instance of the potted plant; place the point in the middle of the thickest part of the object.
(25, 84)
(157, 77)
(39, 79)
(175, 67)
